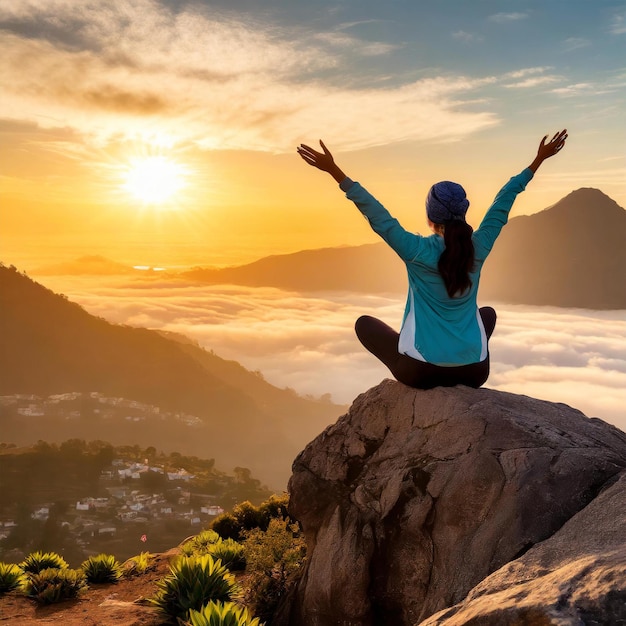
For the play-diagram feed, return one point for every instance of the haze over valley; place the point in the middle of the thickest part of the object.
(575, 356)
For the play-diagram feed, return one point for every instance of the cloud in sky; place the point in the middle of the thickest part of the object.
(466, 37)
(618, 25)
(600, 178)
(504, 18)
(113, 69)
(307, 343)
(575, 43)
(90, 87)
(533, 82)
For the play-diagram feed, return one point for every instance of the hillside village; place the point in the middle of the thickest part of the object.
(139, 499)
(128, 504)
(76, 404)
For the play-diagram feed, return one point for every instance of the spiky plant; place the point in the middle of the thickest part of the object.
(53, 585)
(104, 568)
(200, 544)
(222, 614)
(189, 549)
(39, 561)
(206, 538)
(192, 583)
(138, 564)
(11, 577)
(230, 552)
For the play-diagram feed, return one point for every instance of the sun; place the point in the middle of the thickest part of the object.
(154, 180)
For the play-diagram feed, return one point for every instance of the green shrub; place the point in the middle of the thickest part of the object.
(11, 577)
(192, 583)
(138, 564)
(249, 516)
(274, 561)
(275, 507)
(230, 553)
(222, 614)
(200, 544)
(245, 516)
(53, 585)
(227, 526)
(103, 568)
(39, 561)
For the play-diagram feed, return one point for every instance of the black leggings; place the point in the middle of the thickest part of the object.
(382, 341)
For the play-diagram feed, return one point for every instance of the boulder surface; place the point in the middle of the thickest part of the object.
(414, 497)
(577, 576)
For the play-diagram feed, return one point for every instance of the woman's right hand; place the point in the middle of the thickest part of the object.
(321, 160)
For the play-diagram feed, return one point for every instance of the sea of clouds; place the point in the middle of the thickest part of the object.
(307, 342)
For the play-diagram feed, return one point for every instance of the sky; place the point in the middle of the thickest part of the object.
(163, 132)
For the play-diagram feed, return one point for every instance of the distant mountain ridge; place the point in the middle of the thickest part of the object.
(93, 264)
(571, 254)
(51, 345)
(351, 268)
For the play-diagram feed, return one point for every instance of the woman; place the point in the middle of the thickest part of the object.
(443, 339)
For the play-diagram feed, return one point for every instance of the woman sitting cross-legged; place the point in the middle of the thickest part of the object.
(444, 336)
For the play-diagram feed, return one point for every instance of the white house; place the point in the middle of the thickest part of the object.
(41, 514)
(181, 474)
(211, 510)
(31, 411)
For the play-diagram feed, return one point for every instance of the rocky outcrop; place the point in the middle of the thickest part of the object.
(578, 576)
(414, 497)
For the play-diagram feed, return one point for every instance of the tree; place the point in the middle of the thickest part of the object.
(73, 448)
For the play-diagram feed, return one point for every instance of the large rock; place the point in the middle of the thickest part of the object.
(578, 576)
(414, 497)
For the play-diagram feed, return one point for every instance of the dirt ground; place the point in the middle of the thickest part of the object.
(121, 604)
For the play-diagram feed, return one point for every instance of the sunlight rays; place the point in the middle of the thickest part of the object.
(155, 180)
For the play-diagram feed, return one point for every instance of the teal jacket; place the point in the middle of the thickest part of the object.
(436, 328)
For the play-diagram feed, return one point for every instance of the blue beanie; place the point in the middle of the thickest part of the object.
(446, 201)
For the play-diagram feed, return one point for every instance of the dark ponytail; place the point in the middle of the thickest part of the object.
(457, 260)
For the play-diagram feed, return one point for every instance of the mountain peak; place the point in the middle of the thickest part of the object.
(573, 255)
(587, 200)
